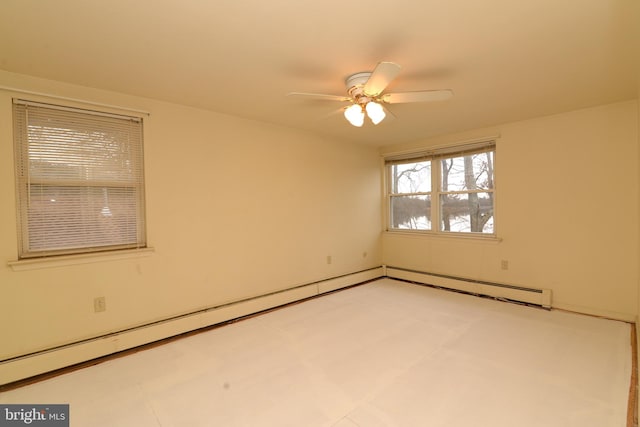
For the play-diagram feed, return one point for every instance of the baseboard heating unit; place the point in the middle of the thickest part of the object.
(541, 297)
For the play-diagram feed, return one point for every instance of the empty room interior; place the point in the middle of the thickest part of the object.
(248, 213)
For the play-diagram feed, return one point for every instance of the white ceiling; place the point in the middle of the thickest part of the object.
(505, 60)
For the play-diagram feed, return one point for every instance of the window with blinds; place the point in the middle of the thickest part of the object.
(80, 181)
(444, 191)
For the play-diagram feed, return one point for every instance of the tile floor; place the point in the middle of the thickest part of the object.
(386, 353)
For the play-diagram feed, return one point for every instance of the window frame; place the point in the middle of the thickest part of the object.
(435, 157)
(24, 182)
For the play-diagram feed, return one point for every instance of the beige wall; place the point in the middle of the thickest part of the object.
(638, 261)
(235, 209)
(567, 212)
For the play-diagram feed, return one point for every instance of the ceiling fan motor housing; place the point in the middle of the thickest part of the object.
(355, 86)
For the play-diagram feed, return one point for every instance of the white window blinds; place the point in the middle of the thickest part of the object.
(79, 178)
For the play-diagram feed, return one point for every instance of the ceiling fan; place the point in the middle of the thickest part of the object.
(366, 95)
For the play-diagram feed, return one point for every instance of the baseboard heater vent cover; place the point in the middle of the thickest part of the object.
(541, 297)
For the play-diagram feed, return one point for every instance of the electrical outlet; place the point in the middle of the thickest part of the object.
(504, 264)
(99, 304)
(328, 259)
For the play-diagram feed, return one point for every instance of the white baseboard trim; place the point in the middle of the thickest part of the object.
(26, 366)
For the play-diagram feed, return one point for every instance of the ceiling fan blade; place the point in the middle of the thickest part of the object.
(389, 113)
(338, 111)
(380, 78)
(320, 96)
(419, 96)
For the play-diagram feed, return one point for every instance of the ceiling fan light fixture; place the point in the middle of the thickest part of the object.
(355, 115)
(367, 94)
(375, 112)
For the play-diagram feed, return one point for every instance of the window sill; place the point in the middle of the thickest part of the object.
(66, 260)
(435, 235)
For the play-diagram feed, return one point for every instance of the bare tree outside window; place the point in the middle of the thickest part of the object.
(411, 202)
(466, 198)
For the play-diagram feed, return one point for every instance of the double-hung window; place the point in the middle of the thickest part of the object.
(444, 191)
(79, 177)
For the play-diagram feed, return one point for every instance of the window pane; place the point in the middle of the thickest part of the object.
(411, 212)
(471, 172)
(62, 217)
(68, 148)
(471, 212)
(411, 177)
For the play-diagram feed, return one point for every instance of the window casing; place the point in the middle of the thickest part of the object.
(447, 191)
(80, 180)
